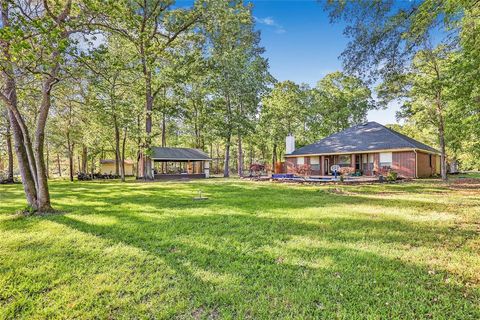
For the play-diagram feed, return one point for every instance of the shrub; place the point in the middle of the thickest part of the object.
(256, 169)
(347, 170)
(303, 170)
(392, 176)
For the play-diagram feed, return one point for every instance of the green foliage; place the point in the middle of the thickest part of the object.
(283, 111)
(385, 35)
(336, 103)
(340, 101)
(392, 176)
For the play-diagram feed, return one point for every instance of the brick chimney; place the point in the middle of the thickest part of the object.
(289, 144)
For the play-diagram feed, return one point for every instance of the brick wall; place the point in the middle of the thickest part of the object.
(424, 168)
(404, 163)
(290, 164)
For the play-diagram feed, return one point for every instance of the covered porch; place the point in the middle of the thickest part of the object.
(360, 164)
(179, 169)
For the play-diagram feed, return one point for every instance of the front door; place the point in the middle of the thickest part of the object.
(358, 162)
(327, 167)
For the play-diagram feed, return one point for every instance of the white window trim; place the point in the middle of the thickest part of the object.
(300, 160)
(386, 157)
(314, 160)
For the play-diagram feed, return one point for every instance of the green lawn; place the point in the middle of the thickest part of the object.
(252, 250)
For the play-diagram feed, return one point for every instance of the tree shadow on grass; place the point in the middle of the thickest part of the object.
(272, 279)
(162, 202)
(241, 197)
(246, 253)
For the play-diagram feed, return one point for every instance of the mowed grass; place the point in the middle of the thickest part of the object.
(252, 250)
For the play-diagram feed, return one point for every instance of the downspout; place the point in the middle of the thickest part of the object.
(416, 163)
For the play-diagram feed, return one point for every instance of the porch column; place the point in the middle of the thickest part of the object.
(376, 162)
(206, 168)
(322, 165)
(352, 162)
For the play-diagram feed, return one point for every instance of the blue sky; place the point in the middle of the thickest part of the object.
(302, 45)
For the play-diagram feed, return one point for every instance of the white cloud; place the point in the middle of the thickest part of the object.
(270, 22)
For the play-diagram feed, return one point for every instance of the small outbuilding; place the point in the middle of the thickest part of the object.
(177, 163)
(107, 166)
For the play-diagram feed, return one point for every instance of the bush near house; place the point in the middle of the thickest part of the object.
(392, 175)
(303, 170)
(347, 171)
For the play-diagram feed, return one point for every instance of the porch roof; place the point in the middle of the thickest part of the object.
(366, 137)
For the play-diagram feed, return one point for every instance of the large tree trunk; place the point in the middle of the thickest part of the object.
(139, 148)
(147, 162)
(48, 159)
(122, 158)
(251, 155)
(27, 179)
(164, 138)
(8, 137)
(117, 147)
(226, 165)
(70, 146)
(164, 129)
(274, 156)
(58, 166)
(84, 158)
(22, 146)
(217, 162)
(443, 156)
(441, 122)
(196, 128)
(43, 193)
(92, 168)
(240, 157)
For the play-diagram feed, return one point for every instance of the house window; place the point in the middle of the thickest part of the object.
(300, 161)
(368, 163)
(370, 158)
(385, 159)
(344, 160)
(315, 163)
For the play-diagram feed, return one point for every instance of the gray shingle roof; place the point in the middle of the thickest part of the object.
(159, 153)
(365, 137)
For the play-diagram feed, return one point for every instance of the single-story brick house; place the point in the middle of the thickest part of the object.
(369, 148)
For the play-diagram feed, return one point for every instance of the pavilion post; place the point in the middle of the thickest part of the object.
(322, 165)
